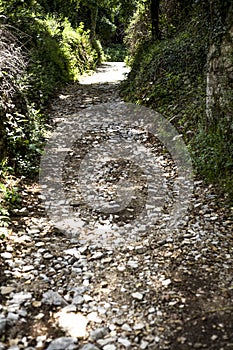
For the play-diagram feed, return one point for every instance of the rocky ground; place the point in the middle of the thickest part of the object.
(163, 290)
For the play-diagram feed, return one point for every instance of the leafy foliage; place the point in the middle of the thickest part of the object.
(39, 51)
(170, 77)
(115, 53)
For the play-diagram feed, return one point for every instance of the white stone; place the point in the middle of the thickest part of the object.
(166, 282)
(125, 342)
(6, 255)
(126, 327)
(109, 347)
(20, 298)
(137, 295)
(138, 326)
(144, 344)
(73, 324)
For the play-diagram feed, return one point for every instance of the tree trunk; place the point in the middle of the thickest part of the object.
(154, 10)
(94, 15)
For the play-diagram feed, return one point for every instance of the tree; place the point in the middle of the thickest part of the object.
(154, 11)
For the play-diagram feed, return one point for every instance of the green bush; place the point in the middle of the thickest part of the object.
(115, 53)
(53, 53)
(212, 150)
(170, 77)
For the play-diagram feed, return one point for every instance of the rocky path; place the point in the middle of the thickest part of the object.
(158, 291)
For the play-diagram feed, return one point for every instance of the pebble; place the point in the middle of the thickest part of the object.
(25, 238)
(78, 300)
(166, 282)
(103, 342)
(138, 326)
(53, 298)
(121, 268)
(27, 268)
(89, 346)
(21, 297)
(90, 290)
(97, 255)
(69, 308)
(133, 264)
(109, 347)
(47, 256)
(140, 249)
(137, 296)
(6, 255)
(93, 316)
(2, 324)
(144, 344)
(12, 318)
(63, 343)
(7, 290)
(99, 333)
(125, 342)
(126, 327)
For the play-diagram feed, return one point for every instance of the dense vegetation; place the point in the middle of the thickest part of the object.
(44, 44)
(170, 74)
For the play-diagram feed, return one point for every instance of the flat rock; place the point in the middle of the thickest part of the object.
(63, 343)
(125, 342)
(137, 296)
(73, 324)
(99, 333)
(89, 346)
(53, 298)
(2, 325)
(7, 290)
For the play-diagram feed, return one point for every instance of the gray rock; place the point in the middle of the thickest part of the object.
(89, 346)
(7, 290)
(53, 298)
(138, 326)
(2, 324)
(125, 342)
(78, 300)
(103, 342)
(97, 255)
(126, 327)
(63, 343)
(21, 297)
(99, 333)
(109, 347)
(140, 249)
(12, 318)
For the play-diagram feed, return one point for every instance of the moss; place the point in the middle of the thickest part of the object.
(170, 77)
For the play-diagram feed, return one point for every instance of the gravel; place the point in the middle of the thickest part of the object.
(165, 290)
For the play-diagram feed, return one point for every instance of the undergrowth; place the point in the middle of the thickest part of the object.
(37, 55)
(170, 77)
